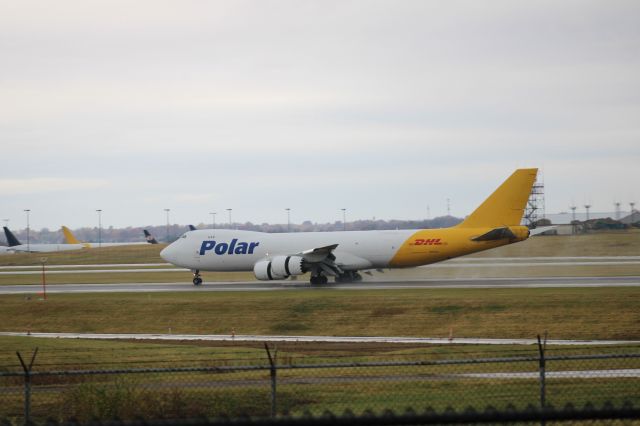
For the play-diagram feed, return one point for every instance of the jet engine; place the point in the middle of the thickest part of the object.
(287, 265)
(278, 268)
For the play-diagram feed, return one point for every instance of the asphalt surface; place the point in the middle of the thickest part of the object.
(546, 282)
(458, 263)
(307, 339)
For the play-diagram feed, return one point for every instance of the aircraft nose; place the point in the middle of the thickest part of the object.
(169, 253)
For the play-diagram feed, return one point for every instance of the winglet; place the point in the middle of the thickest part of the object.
(12, 241)
(69, 237)
(506, 205)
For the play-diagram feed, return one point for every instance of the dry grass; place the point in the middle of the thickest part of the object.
(621, 243)
(598, 313)
(142, 253)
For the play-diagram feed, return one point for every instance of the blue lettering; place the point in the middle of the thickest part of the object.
(206, 246)
(221, 248)
(232, 245)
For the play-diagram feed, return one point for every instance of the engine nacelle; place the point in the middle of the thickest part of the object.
(279, 268)
(287, 265)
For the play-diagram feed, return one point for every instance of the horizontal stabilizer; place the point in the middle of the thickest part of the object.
(541, 230)
(496, 234)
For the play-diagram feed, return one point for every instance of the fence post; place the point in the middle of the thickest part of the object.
(272, 362)
(542, 363)
(27, 385)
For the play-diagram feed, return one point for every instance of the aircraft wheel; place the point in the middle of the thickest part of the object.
(319, 279)
(197, 281)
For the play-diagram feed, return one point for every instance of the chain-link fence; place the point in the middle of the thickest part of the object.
(296, 390)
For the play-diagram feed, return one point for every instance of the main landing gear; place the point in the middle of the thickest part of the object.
(349, 277)
(319, 279)
(197, 280)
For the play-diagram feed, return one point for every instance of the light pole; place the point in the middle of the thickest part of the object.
(229, 210)
(213, 220)
(288, 219)
(344, 219)
(632, 205)
(167, 211)
(587, 207)
(28, 229)
(99, 227)
(573, 213)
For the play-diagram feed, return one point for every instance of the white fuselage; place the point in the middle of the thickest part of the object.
(208, 249)
(45, 248)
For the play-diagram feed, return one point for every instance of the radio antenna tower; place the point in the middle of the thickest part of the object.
(534, 210)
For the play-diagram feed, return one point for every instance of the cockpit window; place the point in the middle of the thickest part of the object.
(184, 236)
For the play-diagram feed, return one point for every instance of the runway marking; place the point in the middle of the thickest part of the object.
(317, 339)
(449, 283)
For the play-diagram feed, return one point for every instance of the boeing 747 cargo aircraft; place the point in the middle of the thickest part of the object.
(343, 254)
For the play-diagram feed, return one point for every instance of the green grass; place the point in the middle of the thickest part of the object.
(143, 253)
(595, 313)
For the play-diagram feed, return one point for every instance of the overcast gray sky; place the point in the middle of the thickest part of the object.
(380, 107)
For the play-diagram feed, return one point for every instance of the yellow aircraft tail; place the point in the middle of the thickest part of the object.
(69, 237)
(506, 205)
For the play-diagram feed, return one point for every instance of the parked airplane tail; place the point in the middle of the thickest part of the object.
(12, 241)
(69, 237)
(506, 205)
(150, 238)
(192, 228)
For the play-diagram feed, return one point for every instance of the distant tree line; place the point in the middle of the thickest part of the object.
(135, 233)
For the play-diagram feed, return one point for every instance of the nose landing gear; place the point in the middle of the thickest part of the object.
(197, 280)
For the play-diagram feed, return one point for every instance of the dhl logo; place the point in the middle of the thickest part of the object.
(427, 242)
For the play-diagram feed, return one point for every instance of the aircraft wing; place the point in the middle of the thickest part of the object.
(318, 254)
(322, 258)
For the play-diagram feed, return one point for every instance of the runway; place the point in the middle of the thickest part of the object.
(316, 339)
(479, 263)
(451, 283)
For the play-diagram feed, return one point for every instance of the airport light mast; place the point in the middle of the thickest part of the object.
(167, 211)
(288, 219)
(229, 210)
(99, 227)
(344, 219)
(213, 220)
(28, 229)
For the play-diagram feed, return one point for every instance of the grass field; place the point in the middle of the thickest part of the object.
(588, 313)
(596, 313)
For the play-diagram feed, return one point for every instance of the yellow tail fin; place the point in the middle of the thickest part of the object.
(506, 205)
(69, 237)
